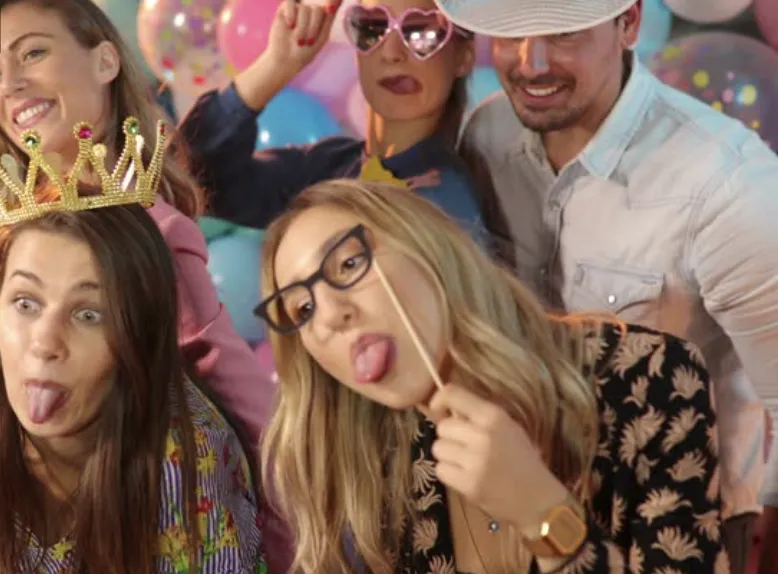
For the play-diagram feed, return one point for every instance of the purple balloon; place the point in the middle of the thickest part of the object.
(735, 74)
(483, 51)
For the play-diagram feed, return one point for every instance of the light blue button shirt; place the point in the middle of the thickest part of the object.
(669, 218)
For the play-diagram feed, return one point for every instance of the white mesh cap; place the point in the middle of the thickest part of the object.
(525, 18)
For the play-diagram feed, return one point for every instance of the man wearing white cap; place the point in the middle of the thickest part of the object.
(619, 193)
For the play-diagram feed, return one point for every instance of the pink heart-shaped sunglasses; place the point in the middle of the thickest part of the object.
(423, 32)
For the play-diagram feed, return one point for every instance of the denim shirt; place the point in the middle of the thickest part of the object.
(667, 218)
(251, 189)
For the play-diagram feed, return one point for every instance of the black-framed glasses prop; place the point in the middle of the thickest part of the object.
(343, 265)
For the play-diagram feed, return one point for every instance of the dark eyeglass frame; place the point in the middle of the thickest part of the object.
(359, 232)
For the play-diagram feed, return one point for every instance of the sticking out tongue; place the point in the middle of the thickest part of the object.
(43, 401)
(372, 362)
(401, 85)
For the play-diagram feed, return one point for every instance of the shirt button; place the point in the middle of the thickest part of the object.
(543, 272)
(612, 299)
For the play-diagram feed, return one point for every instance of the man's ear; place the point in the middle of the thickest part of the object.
(107, 62)
(629, 24)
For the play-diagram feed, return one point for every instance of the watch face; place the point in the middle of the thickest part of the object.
(566, 531)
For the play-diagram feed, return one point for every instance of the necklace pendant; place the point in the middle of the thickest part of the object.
(494, 526)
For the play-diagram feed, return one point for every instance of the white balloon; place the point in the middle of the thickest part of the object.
(708, 11)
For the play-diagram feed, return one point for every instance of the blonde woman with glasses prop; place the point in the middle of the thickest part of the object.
(432, 413)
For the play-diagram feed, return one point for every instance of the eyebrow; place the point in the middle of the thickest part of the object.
(322, 250)
(32, 277)
(13, 45)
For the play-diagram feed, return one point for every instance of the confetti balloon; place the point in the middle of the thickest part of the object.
(735, 74)
(178, 39)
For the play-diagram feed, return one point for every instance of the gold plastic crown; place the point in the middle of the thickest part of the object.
(115, 185)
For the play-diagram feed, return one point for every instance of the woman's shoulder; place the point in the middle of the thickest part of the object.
(627, 348)
(654, 370)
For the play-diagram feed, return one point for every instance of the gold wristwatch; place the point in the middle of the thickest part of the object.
(562, 531)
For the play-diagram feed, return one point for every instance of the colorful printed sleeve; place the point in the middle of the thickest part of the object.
(227, 516)
(661, 514)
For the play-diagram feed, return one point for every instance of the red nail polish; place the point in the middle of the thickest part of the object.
(311, 41)
(301, 42)
(293, 25)
(332, 8)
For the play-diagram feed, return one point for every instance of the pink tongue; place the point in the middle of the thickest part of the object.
(42, 403)
(371, 364)
(403, 85)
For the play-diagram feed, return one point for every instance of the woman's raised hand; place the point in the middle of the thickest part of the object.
(299, 32)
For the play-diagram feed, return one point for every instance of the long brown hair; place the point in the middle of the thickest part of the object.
(117, 504)
(130, 96)
(503, 347)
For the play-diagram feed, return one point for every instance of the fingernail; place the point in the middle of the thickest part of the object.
(301, 42)
(293, 25)
(311, 41)
(332, 8)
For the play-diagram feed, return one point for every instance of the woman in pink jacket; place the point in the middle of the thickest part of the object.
(62, 62)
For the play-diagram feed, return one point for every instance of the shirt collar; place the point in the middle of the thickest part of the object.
(603, 152)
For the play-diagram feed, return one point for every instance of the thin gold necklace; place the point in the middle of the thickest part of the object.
(492, 529)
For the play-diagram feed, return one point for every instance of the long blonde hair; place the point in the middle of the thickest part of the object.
(130, 96)
(340, 463)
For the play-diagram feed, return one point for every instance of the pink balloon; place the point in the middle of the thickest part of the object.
(766, 14)
(264, 356)
(244, 27)
(330, 76)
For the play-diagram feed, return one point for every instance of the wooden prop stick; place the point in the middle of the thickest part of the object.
(409, 326)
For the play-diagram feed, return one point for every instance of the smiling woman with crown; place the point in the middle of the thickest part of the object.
(111, 460)
(63, 62)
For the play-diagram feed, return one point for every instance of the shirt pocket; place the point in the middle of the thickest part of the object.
(632, 294)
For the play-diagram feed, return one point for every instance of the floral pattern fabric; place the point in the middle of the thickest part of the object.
(655, 506)
(226, 513)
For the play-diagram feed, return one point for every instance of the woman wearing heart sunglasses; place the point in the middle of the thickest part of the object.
(413, 64)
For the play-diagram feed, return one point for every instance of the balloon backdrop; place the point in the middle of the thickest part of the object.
(295, 118)
(655, 26)
(330, 76)
(234, 264)
(732, 73)
(483, 51)
(214, 228)
(244, 28)
(355, 113)
(178, 39)
(124, 15)
(708, 11)
(264, 355)
(766, 14)
(483, 83)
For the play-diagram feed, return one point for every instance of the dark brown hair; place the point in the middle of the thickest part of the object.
(130, 96)
(117, 505)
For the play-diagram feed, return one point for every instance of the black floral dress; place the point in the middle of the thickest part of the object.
(655, 507)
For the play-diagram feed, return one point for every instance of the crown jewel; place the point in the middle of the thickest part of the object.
(114, 185)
